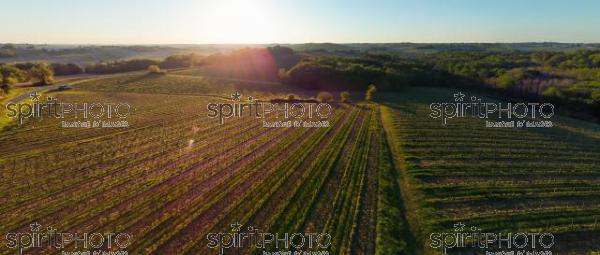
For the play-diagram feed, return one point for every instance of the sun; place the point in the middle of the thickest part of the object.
(236, 21)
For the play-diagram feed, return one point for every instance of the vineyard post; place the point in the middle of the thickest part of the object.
(163, 137)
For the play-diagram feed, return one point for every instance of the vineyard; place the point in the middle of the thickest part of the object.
(174, 175)
(379, 179)
(531, 180)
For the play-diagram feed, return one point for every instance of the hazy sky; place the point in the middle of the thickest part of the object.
(298, 21)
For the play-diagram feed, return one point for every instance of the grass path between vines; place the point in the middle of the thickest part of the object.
(412, 210)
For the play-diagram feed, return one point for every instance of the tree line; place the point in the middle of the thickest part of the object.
(10, 74)
(570, 78)
(41, 73)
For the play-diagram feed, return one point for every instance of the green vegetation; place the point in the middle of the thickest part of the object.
(345, 97)
(154, 69)
(120, 66)
(43, 73)
(370, 95)
(325, 97)
(537, 72)
(66, 69)
(379, 179)
(9, 75)
(519, 180)
(529, 75)
(336, 73)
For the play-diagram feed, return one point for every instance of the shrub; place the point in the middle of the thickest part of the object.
(325, 97)
(345, 97)
(370, 92)
(43, 72)
(154, 69)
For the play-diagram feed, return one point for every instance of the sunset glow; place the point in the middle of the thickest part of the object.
(236, 21)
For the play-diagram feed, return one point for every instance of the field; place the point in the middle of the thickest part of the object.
(532, 180)
(379, 179)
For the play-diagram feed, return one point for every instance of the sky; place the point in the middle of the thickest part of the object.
(298, 21)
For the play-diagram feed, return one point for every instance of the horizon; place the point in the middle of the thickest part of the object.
(190, 22)
(283, 43)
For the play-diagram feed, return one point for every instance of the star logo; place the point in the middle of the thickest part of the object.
(458, 227)
(236, 227)
(34, 96)
(35, 226)
(236, 96)
(459, 97)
